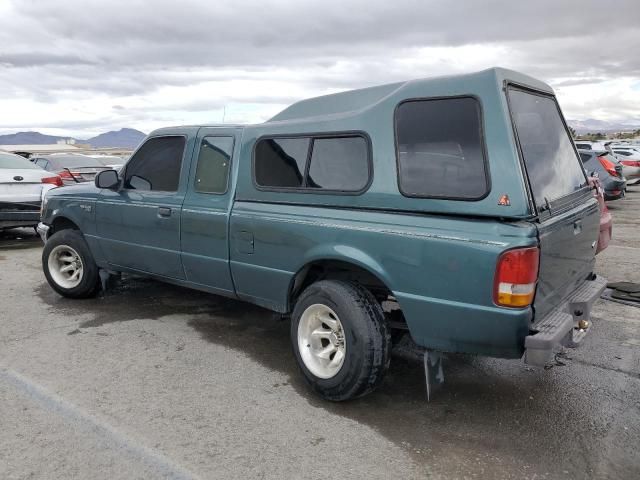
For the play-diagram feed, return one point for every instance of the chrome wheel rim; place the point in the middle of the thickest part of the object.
(65, 266)
(321, 341)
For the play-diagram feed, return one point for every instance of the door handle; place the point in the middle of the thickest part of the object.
(164, 212)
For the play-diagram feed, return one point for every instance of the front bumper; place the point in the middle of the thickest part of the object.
(43, 231)
(560, 327)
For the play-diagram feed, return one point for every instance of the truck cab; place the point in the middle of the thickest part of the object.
(452, 213)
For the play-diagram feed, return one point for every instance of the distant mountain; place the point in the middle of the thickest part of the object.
(123, 138)
(591, 125)
(29, 138)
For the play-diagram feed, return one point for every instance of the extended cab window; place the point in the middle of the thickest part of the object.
(440, 149)
(331, 163)
(547, 148)
(156, 165)
(214, 160)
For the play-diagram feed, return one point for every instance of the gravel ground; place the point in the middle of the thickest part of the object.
(155, 381)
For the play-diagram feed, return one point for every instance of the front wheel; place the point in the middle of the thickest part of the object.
(69, 266)
(340, 339)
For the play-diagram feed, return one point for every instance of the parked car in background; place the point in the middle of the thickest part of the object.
(627, 154)
(608, 170)
(112, 161)
(584, 145)
(606, 221)
(629, 157)
(71, 168)
(22, 185)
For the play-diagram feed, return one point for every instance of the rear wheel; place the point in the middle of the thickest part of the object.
(69, 266)
(340, 339)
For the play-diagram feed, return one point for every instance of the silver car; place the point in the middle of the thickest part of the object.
(22, 187)
(630, 159)
(72, 168)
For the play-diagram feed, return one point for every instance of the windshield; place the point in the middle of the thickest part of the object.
(552, 166)
(8, 160)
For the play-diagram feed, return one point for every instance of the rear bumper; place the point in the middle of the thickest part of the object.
(19, 218)
(614, 189)
(560, 327)
(614, 195)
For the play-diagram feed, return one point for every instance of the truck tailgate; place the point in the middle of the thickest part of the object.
(567, 254)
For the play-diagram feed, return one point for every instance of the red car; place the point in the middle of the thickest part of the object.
(606, 221)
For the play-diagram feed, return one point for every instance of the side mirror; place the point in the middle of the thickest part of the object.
(107, 179)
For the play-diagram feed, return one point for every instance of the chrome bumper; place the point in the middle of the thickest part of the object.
(563, 325)
(43, 231)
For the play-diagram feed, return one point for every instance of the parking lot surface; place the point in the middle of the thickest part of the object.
(155, 381)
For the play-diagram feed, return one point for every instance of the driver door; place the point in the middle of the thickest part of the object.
(139, 225)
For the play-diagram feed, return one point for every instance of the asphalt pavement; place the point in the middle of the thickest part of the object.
(155, 381)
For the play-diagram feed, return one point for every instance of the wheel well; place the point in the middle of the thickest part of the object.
(336, 270)
(62, 223)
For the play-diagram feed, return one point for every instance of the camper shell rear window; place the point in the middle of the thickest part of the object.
(549, 155)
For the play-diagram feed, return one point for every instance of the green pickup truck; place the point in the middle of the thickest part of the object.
(451, 214)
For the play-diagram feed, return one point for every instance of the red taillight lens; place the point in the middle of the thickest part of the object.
(65, 174)
(609, 166)
(630, 163)
(516, 277)
(57, 181)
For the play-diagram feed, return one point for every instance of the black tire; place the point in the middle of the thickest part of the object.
(90, 281)
(367, 339)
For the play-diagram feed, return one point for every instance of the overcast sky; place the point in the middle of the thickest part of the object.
(80, 67)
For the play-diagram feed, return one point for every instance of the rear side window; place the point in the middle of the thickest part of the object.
(156, 165)
(327, 163)
(214, 160)
(441, 149)
(280, 162)
(549, 155)
(583, 146)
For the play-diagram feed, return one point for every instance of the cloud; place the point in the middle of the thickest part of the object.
(167, 61)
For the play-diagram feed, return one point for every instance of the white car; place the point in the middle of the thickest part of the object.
(22, 188)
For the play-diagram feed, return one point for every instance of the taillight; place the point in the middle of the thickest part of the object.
(630, 163)
(609, 166)
(57, 181)
(516, 277)
(65, 174)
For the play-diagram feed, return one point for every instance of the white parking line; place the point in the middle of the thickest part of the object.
(108, 434)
